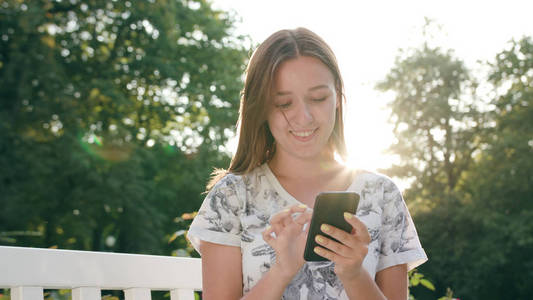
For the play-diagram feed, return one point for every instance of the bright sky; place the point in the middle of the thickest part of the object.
(366, 36)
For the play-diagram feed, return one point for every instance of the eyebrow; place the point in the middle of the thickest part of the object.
(318, 87)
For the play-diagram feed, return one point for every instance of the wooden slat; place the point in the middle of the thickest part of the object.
(86, 293)
(137, 294)
(27, 293)
(67, 269)
(182, 294)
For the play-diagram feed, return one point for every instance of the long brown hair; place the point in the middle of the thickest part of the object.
(256, 143)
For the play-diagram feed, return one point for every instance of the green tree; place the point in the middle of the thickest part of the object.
(500, 184)
(112, 115)
(438, 126)
(471, 164)
(435, 120)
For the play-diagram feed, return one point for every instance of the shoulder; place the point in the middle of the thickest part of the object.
(376, 188)
(241, 182)
(229, 180)
(373, 180)
(230, 186)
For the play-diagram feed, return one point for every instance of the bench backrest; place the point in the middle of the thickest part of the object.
(27, 271)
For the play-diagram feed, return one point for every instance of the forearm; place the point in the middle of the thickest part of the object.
(362, 287)
(270, 286)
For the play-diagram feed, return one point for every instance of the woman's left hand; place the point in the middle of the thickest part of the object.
(350, 250)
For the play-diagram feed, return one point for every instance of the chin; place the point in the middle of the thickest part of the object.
(309, 154)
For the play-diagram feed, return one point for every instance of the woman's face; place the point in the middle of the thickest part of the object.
(302, 111)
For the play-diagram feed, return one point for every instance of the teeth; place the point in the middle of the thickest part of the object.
(303, 133)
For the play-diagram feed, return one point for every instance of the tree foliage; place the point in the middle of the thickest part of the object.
(472, 168)
(501, 183)
(435, 119)
(112, 115)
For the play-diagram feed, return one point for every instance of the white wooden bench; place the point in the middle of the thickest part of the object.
(27, 271)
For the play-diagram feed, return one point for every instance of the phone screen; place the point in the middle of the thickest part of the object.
(329, 208)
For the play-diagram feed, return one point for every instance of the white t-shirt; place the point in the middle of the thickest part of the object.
(238, 209)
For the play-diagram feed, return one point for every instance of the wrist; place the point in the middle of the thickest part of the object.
(352, 276)
(360, 285)
(282, 273)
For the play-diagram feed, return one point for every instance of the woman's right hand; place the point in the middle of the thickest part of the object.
(289, 240)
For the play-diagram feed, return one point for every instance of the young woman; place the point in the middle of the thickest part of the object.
(250, 229)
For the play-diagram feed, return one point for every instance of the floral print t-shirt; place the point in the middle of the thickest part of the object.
(238, 209)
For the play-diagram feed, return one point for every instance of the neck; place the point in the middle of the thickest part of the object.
(291, 167)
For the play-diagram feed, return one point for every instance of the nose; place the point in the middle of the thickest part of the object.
(303, 114)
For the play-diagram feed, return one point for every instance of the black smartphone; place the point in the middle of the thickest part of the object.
(329, 209)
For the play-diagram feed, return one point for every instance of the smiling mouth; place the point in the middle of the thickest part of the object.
(303, 134)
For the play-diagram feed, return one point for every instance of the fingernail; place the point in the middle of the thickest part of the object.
(286, 210)
(319, 239)
(318, 250)
(324, 228)
(348, 215)
(302, 206)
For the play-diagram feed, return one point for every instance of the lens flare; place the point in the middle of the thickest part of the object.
(112, 151)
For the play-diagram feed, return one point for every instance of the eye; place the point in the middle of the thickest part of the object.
(319, 99)
(283, 105)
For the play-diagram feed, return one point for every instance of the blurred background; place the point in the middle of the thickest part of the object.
(114, 113)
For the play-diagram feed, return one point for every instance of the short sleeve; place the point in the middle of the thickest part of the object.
(218, 219)
(399, 239)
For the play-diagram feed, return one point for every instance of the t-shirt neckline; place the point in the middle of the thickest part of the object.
(281, 190)
(277, 185)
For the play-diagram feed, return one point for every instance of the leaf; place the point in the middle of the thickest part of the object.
(48, 41)
(189, 216)
(415, 281)
(176, 235)
(427, 284)
(94, 93)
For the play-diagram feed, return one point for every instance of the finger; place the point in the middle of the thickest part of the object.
(360, 228)
(280, 216)
(303, 218)
(338, 234)
(288, 211)
(267, 235)
(295, 226)
(281, 220)
(306, 228)
(298, 208)
(285, 217)
(296, 211)
(287, 221)
(336, 258)
(334, 246)
(277, 228)
(332, 256)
